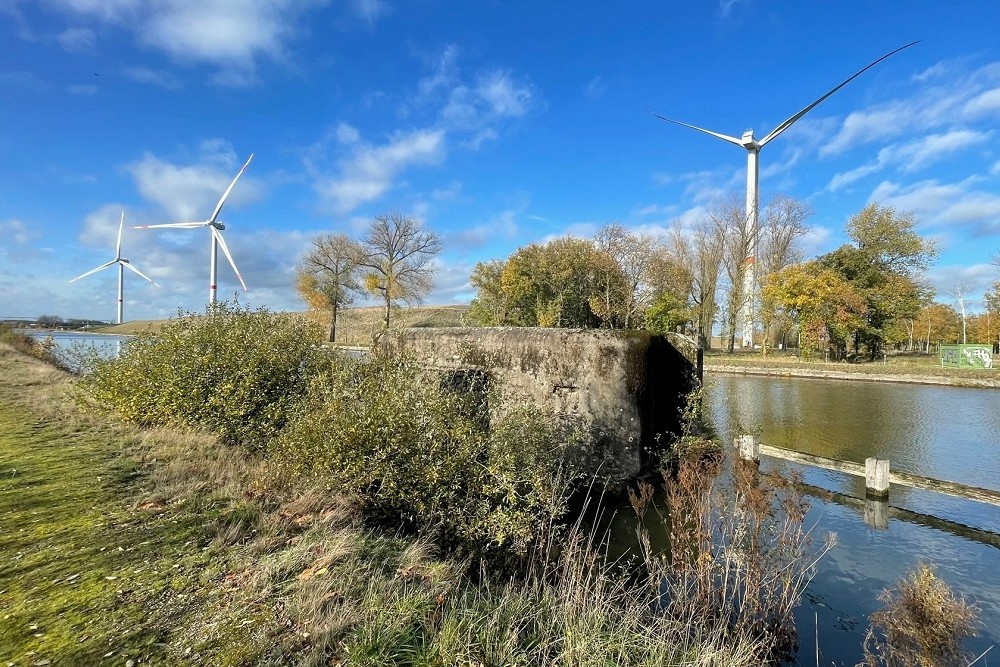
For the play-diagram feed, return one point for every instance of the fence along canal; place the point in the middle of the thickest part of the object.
(878, 477)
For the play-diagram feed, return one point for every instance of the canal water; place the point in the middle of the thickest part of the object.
(71, 345)
(946, 433)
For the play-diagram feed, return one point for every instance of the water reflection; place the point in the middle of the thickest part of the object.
(939, 432)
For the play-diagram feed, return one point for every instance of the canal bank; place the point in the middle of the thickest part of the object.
(986, 380)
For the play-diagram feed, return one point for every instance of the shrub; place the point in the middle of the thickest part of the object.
(233, 371)
(922, 624)
(44, 349)
(419, 455)
(739, 556)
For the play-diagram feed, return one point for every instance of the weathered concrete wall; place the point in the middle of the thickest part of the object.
(627, 388)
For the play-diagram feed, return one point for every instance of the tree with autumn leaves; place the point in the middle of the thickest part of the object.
(393, 261)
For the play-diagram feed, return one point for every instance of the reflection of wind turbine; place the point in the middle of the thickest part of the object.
(123, 264)
(217, 240)
(753, 146)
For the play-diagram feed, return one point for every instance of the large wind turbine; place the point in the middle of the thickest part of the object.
(753, 146)
(216, 228)
(123, 264)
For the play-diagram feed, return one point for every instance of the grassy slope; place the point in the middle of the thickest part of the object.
(355, 326)
(86, 575)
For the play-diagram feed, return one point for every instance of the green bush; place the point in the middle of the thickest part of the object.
(44, 349)
(421, 455)
(233, 371)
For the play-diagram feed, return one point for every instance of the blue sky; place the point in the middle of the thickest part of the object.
(496, 124)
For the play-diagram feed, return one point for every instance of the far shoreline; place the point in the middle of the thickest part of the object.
(990, 381)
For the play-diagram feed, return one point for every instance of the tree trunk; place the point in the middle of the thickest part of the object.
(333, 324)
(388, 307)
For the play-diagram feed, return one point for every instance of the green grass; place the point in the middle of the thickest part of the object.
(86, 577)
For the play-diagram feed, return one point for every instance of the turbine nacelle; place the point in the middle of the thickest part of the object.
(749, 142)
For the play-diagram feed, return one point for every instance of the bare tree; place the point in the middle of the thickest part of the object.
(698, 252)
(396, 259)
(959, 295)
(729, 220)
(632, 255)
(783, 224)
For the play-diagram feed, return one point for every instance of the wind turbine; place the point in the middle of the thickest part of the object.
(216, 237)
(753, 146)
(123, 264)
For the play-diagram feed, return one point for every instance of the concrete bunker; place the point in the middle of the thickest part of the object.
(627, 388)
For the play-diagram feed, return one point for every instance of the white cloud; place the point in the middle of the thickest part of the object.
(189, 192)
(156, 77)
(505, 98)
(347, 134)
(913, 155)
(953, 100)
(77, 40)
(984, 104)
(233, 37)
(371, 170)
(935, 71)
(974, 280)
(15, 231)
(370, 10)
(499, 227)
(936, 203)
(474, 107)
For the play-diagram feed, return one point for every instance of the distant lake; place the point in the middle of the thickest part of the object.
(70, 344)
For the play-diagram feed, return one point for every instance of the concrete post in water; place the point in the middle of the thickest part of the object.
(877, 513)
(877, 477)
(748, 447)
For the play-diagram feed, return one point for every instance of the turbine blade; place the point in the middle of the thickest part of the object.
(92, 271)
(724, 137)
(784, 126)
(222, 200)
(129, 266)
(118, 248)
(177, 225)
(225, 251)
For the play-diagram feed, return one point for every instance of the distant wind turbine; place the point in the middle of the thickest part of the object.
(753, 146)
(123, 264)
(216, 236)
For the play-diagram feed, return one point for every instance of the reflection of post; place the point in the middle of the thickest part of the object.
(877, 477)
(877, 513)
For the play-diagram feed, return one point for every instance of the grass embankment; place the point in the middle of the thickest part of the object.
(355, 326)
(915, 368)
(91, 574)
(166, 547)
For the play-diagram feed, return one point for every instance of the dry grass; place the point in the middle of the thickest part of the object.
(355, 326)
(922, 624)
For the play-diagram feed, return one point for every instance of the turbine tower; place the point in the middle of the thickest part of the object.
(217, 241)
(753, 146)
(123, 264)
